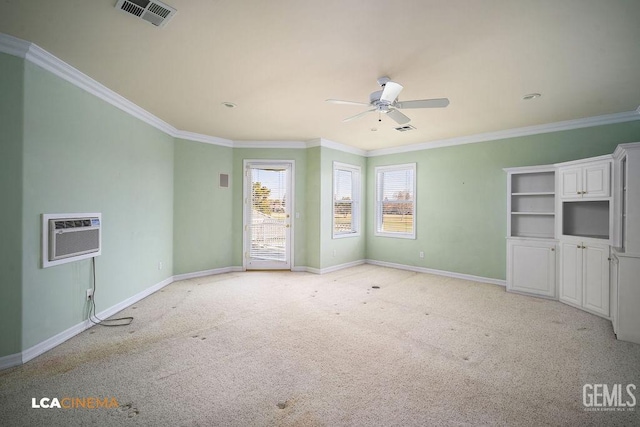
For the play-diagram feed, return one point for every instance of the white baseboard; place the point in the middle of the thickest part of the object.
(470, 277)
(327, 269)
(204, 273)
(63, 336)
(10, 361)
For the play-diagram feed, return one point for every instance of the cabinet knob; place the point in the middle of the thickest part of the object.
(553, 249)
(579, 246)
(609, 259)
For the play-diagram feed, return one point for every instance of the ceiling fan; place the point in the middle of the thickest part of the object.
(386, 101)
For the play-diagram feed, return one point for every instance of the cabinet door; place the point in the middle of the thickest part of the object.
(532, 267)
(596, 180)
(571, 273)
(613, 300)
(571, 183)
(596, 279)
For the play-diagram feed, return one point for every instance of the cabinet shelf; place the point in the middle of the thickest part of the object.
(535, 193)
(533, 213)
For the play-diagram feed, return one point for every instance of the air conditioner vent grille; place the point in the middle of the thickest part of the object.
(154, 12)
(405, 128)
(159, 10)
(132, 8)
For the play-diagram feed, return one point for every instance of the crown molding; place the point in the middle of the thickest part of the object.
(198, 137)
(40, 57)
(269, 144)
(606, 119)
(14, 46)
(321, 142)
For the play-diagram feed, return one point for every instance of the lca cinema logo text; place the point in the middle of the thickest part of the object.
(605, 397)
(74, 403)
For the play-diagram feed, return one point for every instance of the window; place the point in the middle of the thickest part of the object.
(346, 200)
(396, 201)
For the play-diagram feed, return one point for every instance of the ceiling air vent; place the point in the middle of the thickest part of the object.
(154, 12)
(404, 128)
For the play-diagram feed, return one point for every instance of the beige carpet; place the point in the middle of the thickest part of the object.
(296, 349)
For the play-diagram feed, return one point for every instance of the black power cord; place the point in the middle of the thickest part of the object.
(92, 306)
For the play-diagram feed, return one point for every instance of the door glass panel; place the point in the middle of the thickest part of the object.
(269, 214)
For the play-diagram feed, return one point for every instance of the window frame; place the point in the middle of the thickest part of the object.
(378, 202)
(356, 195)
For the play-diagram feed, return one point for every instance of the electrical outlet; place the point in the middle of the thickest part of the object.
(160, 265)
(89, 294)
(421, 254)
(334, 252)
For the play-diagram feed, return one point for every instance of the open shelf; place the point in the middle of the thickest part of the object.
(535, 182)
(532, 213)
(532, 203)
(535, 193)
(586, 219)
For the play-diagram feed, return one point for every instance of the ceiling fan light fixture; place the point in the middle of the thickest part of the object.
(530, 96)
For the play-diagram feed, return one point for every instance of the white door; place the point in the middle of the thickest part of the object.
(571, 273)
(268, 198)
(596, 279)
(532, 267)
(570, 183)
(596, 180)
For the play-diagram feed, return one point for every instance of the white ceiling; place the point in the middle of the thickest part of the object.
(279, 60)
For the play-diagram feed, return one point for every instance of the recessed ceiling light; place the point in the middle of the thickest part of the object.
(229, 104)
(530, 96)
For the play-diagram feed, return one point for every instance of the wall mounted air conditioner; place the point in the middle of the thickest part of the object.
(70, 237)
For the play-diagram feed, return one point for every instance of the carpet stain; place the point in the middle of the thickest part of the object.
(583, 329)
(129, 409)
(282, 405)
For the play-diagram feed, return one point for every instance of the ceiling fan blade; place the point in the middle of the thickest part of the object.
(423, 103)
(391, 91)
(398, 117)
(338, 101)
(357, 116)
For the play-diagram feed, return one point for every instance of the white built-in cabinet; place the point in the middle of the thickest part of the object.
(531, 245)
(588, 180)
(532, 267)
(625, 265)
(573, 234)
(584, 276)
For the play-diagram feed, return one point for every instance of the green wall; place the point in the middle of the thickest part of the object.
(314, 209)
(84, 155)
(202, 210)
(461, 196)
(11, 124)
(347, 249)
